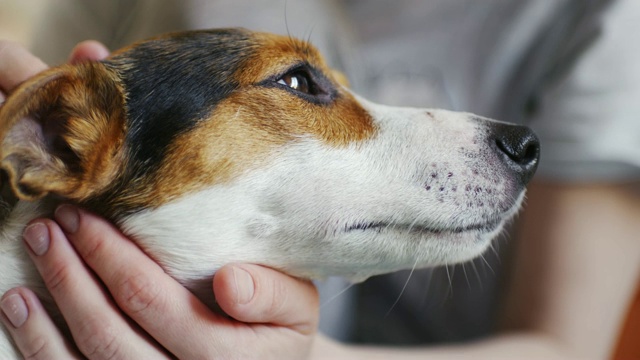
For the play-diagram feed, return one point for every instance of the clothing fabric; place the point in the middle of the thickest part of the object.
(551, 64)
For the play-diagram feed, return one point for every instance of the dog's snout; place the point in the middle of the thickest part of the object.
(519, 147)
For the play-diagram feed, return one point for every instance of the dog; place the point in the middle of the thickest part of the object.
(217, 146)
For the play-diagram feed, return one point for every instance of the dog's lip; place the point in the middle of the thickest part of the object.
(487, 226)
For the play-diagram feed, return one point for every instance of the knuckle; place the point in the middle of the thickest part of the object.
(277, 303)
(94, 248)
(58, 277)
(137, 294)
(98, 339)
(36, 348)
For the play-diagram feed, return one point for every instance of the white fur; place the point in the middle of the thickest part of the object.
(16, 269)
(424, 169)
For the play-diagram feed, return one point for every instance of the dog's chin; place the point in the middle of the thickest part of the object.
(421, 247)
(408, 245)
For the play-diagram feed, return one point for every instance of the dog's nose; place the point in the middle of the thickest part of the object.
(519, 147)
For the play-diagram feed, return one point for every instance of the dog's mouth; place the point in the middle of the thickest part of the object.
(484, 227)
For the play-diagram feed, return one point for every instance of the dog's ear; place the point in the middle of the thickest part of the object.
(62, 132)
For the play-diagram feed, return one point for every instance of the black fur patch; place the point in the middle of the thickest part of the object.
(174, 82)
(171, 84)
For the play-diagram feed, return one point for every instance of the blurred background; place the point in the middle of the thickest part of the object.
(17, 19)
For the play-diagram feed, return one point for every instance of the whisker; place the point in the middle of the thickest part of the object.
(404, 287)
(310, 34)
(475, 269)
(286, 19)
(335, 296)
(487, 263)
(446, 266)
(428, 286)
(494, 250)
(464, 270)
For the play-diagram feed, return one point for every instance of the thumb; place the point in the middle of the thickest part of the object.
(89, 50)
(256, 294)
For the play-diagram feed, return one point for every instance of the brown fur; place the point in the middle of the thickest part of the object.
(246, 127)
(244, 131)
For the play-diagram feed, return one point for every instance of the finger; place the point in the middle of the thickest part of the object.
(167, 310)
(162, 306)
(159, 304)
(88, 50)
(3, 97)
(31, 328)
(16, 65)
(255, 294)
(98, 328)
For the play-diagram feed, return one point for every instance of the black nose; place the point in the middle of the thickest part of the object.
(519, 147)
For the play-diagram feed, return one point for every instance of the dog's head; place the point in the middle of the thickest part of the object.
(218, 146)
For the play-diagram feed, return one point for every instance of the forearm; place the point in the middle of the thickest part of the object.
(576, 266)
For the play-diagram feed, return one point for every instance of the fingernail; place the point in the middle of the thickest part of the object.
(15, 309)
(244, 285)
(68, 217)
(37, 237)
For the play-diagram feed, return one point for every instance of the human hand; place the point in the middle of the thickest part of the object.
(129, 308)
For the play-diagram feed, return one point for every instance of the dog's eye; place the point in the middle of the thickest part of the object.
(305, 82)
(299, 81)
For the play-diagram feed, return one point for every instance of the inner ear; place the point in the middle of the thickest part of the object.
(54, 124)
(62, 132)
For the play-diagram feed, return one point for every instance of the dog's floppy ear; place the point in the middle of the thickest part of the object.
(62, 132)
